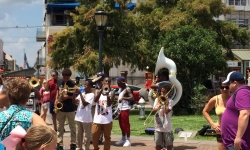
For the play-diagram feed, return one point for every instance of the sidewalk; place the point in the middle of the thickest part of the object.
(147, 143)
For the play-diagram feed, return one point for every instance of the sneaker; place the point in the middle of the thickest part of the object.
(72, 147)
(121, 142)
(127, 143)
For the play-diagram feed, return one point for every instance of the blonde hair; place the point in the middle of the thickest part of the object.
(38, 136)
(18, 90)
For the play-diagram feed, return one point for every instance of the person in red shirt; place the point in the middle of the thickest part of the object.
(52, 87)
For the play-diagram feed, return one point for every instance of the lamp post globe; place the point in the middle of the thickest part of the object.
(100, 20)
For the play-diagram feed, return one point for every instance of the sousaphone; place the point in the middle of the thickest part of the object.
(164, 62)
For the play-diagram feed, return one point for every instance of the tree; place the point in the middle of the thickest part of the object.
(196, 54)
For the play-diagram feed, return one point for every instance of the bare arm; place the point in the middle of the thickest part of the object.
(37, 120)
(129, 96)
(97, 95)
(209, 106)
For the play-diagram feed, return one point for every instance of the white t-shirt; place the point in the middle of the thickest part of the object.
(124, 104)
(83, 113)
(163, 121)
(103, 113)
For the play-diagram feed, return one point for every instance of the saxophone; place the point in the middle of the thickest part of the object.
(58, 103)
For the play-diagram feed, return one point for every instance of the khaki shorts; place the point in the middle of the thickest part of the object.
(166, 137)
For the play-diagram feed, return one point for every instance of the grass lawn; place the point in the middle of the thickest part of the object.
(187, 123)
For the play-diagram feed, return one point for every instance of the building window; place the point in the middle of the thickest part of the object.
(237, 2)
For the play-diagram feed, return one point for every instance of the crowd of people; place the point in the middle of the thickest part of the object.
(89, 113)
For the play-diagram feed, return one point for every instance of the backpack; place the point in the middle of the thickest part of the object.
(234, 95)
(204, 130)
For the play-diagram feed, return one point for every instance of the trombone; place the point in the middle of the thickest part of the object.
(163, 99)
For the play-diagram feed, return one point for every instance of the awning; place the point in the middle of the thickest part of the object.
(242, 54)
(50, 6)
(1, 70)
(130, 6)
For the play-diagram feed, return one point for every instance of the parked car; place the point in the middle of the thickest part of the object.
(136, 91)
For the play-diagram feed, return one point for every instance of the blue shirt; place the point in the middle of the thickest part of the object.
(22, 118)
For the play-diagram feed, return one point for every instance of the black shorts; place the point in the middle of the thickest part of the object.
(51, 108)
(219, 138)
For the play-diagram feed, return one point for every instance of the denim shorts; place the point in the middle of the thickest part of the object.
(164, 138)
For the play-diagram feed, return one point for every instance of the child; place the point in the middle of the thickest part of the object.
(37, 137)
(84, 116)
(163, 123)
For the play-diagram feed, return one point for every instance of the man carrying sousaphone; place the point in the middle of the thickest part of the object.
(67, 99)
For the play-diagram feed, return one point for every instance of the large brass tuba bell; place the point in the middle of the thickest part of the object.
(34, 82)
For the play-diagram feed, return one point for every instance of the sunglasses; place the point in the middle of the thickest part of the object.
(223, 87)
(66, 74)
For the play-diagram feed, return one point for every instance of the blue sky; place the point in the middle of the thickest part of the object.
(21, 13)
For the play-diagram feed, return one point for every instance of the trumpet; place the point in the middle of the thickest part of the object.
(34, 82)
(106, 89)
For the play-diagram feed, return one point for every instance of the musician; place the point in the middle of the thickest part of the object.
(102, 122)
(163, 123)
(52, 87)
(83, 115)
(68, 110)
(124, 98)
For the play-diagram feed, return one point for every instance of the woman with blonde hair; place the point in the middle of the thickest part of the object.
(44, 100)
(18, 91)
(219, 103)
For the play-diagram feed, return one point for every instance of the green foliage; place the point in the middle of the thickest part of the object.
(198, 98)
(196, 55)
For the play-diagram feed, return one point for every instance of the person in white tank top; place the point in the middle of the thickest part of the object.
(124, 98)
(102, 122)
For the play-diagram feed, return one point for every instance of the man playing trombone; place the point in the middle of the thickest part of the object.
(163, 124)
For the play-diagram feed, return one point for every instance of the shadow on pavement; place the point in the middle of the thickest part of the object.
(184, 147)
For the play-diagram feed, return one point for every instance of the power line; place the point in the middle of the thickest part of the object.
(20, 27)
(21, 42)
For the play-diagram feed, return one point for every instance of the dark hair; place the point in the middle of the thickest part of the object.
(167, 87)
(241, 82)
(165, 73)
(90, 82)
(55, 72)
(66, 71)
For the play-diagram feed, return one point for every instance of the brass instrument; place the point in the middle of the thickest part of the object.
(34, 82)
(163, 99)
(106, 89)
(58, 103)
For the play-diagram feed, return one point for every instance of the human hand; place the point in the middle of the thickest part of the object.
(120, 100)
(216, 127)
(237, 144)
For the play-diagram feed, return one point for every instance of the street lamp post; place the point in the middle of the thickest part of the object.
(100, 20)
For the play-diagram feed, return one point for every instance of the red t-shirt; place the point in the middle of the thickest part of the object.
(53, 88)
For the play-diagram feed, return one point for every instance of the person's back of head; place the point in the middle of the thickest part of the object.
(38, 137)
(18, 90)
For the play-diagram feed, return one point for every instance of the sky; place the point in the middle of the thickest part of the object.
(21, 13)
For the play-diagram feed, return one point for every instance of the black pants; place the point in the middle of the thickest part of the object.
(230, 147)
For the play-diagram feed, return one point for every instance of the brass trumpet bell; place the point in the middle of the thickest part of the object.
(58, 106)
(106, 89)
(34, 82)
(163, 100)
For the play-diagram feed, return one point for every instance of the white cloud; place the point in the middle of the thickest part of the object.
(14, 2)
